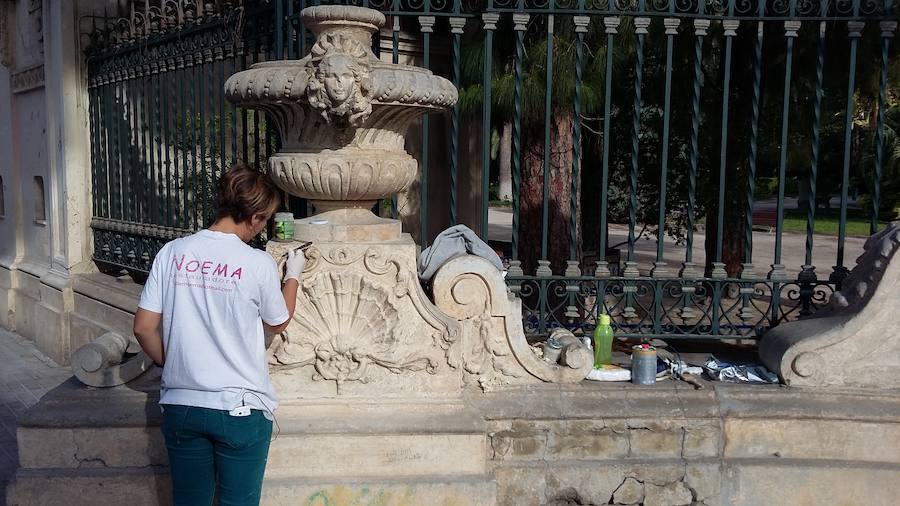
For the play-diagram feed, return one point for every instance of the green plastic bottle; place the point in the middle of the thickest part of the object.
(603, 338)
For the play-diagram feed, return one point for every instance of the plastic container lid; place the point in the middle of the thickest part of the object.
(284, 216)
(604, 319)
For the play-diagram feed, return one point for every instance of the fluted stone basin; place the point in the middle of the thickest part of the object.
(342, 114)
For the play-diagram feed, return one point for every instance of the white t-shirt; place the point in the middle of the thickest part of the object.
(214, 292)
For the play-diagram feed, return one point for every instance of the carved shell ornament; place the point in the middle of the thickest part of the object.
(350, 324)
(340, 80)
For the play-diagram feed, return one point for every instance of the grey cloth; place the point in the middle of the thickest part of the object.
(453, 242)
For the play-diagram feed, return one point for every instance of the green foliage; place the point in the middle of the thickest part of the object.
(889, 208)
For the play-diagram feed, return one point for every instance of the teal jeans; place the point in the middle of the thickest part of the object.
(213, 453)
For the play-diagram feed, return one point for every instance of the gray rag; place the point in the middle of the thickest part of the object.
(453, 242)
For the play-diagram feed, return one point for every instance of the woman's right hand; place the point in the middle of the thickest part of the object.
(293, 267)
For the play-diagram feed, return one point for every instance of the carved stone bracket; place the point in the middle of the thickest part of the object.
(854, 341)
(491, 349)
(362, 317)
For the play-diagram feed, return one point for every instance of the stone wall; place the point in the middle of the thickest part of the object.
(546, 445)
(45, 168)
(672, 445)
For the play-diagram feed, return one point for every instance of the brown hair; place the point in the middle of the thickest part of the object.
(244, 192)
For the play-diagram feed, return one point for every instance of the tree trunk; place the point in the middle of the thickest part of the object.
(732, 244)
(560, 193)
(505, 161)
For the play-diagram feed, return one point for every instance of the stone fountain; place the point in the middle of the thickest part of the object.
(372, 371)
(364, 327)
(394, 396)
(382, 385)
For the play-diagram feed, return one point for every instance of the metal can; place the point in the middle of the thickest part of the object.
(552, 350)
(643, 364)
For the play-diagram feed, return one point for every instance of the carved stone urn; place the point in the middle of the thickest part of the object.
(342, 114)
(364, 327)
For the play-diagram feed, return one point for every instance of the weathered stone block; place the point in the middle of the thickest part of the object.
(630, 491)
(702, 438)
(813, 439)
(91, 447)
(447, 492)
(90, 487)
(705, 480)
(587, 439)
(518, 440)
(673, 494)
(801, 482)
(654, 439)
(324, 455)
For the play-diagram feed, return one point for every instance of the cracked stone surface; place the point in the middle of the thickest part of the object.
(673, 494)
(630, 491)
(579, 439)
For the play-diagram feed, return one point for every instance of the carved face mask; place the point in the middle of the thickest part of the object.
(338, 78)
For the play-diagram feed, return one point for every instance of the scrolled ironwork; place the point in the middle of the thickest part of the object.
(871, 7)
(844, 7)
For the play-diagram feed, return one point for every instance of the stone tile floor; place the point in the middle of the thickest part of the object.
(26, 375)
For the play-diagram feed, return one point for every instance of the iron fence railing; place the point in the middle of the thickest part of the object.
(618, 117)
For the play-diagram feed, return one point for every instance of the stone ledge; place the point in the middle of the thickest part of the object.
(401, 455)
(384, 418)
(121, 293)
(593, 400)
(752, 401)
(72, 404)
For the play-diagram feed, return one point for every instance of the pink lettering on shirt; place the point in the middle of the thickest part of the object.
(211, 274)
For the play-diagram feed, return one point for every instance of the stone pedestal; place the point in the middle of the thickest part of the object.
(364, 328)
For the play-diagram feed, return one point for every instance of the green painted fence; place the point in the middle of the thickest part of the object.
(625, 116)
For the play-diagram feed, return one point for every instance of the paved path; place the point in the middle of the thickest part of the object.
(793, 247)
(26, 375)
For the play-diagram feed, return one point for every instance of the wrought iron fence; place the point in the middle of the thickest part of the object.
(622, 116)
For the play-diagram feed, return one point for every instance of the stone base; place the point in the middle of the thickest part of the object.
(377, 440)
(347, 225)
(425, 491)
(35, 302)
(539, 445)
(363, 327)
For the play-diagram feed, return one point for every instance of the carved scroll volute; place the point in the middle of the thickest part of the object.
(492, 349)
(852, 342)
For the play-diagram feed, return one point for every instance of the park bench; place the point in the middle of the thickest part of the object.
(765, 219)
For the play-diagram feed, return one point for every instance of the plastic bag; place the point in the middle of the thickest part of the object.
(738, 373)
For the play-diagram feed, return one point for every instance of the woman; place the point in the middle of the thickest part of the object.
(214, 297)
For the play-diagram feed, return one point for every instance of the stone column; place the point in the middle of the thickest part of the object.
(46, 171)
